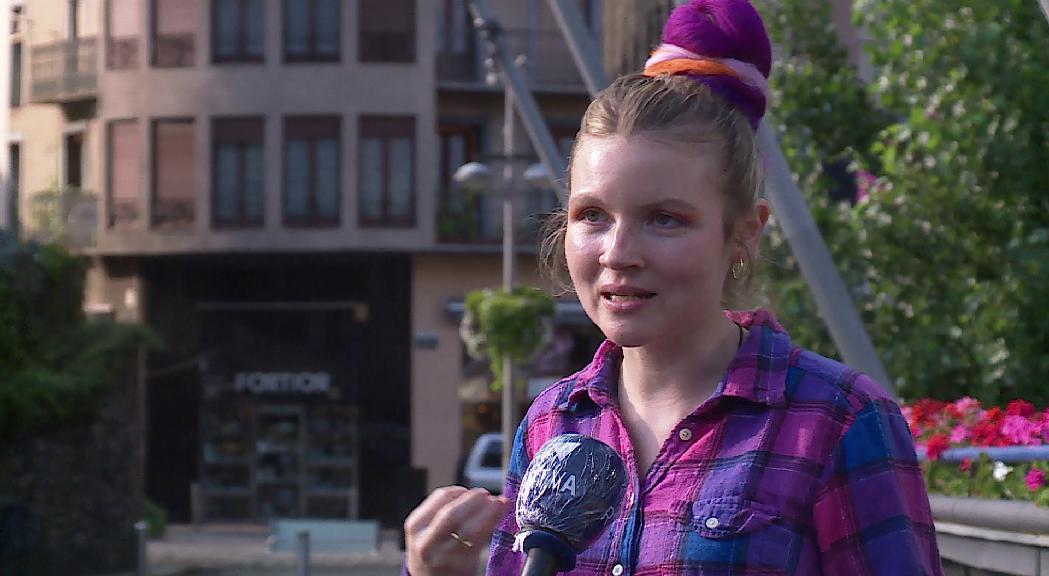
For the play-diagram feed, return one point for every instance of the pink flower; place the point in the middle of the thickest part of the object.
(967, 405)
(1035, 479)
(959, 434)
(1021, 431)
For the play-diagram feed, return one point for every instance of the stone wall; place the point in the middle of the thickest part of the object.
(70, 498)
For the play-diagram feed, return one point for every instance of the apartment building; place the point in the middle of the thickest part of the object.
(268, 186)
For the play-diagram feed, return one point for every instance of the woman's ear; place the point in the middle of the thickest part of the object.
(751, 226)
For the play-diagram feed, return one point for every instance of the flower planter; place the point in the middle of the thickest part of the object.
(996, 535)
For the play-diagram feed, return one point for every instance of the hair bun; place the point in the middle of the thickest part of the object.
(728, 30)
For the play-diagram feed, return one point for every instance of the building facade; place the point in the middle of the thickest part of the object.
(267, 184)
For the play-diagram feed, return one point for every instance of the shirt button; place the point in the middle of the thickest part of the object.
(685, 434)
(712, 522)
(617, 570)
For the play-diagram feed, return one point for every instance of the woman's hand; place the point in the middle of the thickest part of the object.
(445, 534)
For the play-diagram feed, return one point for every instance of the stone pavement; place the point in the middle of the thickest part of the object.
(242, 550)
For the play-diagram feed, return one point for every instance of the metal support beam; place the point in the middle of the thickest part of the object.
(582, 45)
(1045, 8)
(817, 266)
(538, 132)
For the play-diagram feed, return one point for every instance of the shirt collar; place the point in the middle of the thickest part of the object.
(757, 373)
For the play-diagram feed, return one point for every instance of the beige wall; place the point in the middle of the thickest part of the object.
(39, 129)
(274, 89)
(437, 373)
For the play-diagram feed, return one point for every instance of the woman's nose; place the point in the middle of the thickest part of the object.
(621, 250)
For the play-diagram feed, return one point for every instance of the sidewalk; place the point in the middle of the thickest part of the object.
(242, 550)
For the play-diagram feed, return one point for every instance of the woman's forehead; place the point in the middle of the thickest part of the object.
(644, 164)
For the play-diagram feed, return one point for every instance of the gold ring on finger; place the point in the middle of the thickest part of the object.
(466, 543)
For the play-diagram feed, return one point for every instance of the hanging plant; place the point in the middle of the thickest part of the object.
(517, 324)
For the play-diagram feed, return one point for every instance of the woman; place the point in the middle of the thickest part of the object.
(746, 454)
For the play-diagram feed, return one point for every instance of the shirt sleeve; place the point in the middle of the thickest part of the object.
(871, 513)
(501, 558)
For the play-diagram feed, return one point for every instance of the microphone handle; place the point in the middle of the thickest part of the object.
(539, 562)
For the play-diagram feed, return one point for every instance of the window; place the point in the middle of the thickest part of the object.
(387, 30)
(14, 184)
(311, 30)
(16, 74)
(123, 174)
(456, 43)
(459, 214)
(174, 33)
(174, 173)
(311, 170)
(123, 31)
(238, 30)
(74, 159)
(386, 171)
(238, 167)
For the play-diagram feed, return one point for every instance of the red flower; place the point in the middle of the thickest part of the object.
(966, 465)
(1020, 408)
(987, 432)
(936, 446)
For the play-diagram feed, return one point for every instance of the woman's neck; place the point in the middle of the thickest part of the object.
(679, 374)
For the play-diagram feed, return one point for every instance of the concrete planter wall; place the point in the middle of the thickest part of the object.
(997, 536)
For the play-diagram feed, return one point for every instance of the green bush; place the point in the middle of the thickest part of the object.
(53, 362)
(156, 518)
(946, 257)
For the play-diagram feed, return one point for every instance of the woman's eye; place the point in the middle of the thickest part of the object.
(665, 220)
(590, 215)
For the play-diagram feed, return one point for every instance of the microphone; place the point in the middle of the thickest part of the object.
(571, 492)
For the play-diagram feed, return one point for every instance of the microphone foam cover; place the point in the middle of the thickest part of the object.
(574, 488)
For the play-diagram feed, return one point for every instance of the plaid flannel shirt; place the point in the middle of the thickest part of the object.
(796, 465)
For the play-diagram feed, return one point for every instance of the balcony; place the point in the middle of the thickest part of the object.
(549, 66)
(65, 71)
(473, 220)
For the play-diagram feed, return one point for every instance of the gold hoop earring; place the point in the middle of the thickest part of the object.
(738, 268)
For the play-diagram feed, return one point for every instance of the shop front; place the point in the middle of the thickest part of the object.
(283, 389)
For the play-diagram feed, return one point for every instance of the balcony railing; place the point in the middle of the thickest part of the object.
(65, 71)
(473, 219)
(549, 64)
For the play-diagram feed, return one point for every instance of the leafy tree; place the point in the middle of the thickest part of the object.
(53, 362)
(947, 254)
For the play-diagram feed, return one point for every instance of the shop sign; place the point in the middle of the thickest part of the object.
(282, 382)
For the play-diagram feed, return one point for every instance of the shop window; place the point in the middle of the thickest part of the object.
(123, 173)
(311, 170)
(311, 30)
(238, 31)
(174, 174)
(386, 171)
(123, 34)
(386, 30)
(238, 168)
(174, 33)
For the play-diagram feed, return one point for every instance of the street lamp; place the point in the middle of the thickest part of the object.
(477, 177)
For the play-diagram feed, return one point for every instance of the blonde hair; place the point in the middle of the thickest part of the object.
(678, 109)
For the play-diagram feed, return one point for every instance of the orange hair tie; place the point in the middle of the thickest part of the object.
(690, 66)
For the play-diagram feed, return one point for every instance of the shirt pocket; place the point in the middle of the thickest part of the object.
(736, 532)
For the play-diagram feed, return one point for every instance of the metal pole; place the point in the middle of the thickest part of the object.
(509, 421)
(141, 529)
(303, 551)
(1045, 8)
(817, 266)
(513, 80)
(582, 45)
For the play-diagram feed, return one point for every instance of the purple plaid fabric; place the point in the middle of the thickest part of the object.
(796, 465)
